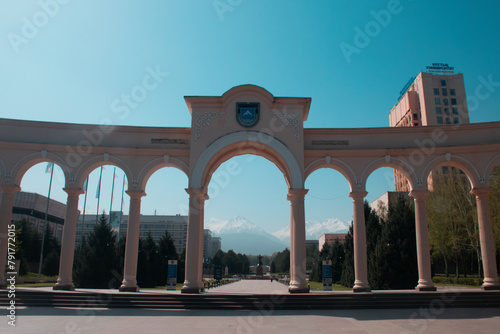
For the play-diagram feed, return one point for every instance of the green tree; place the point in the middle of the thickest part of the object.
(398, 247)
(167, 251)
(453, 227)
(494, 200)
(373, 247)
(347, 276)
(149, 266)
(95, 261)
(51, 251)
(282, 261)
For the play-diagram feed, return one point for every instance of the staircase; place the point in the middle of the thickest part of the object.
(264, 302)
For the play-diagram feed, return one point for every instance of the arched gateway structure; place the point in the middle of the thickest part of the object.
(249, 120)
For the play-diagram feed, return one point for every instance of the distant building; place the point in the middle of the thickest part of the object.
(33, 206)
(150, 224)
(329, 238)
(310, 243)
(436, 97)
(381, 205)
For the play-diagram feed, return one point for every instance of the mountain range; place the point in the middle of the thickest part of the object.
(243, 236)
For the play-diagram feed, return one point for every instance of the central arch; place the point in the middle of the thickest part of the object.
(246, 142)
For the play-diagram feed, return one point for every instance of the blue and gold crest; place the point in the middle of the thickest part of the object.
(247, 114)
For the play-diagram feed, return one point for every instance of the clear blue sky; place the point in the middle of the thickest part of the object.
(71, 64)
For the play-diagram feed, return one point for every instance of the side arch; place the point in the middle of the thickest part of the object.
(392, 162)
(332, 163)
(455, 161)
(30, 160)
(225, 148)
(154, 165)
(94, 162)
(495, 161)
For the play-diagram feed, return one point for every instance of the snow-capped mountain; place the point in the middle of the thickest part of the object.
(242, 236)
(314, 230)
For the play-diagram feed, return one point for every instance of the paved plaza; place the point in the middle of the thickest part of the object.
(425, 320)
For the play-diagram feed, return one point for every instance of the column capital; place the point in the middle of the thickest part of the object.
(296, 194)
(199, 193)
(358, 194)
(135, 194)
(74, 191)
(419, 194)
(481, 191)
(10, 189)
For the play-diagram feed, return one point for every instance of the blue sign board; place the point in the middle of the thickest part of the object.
(172, 275)
(327, 275)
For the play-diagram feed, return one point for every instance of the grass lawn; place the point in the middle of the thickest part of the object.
(317, 286)
(177, 287)
(35, 285)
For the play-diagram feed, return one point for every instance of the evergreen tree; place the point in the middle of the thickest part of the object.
(347, 276)
(149, 266)
(373, 248)
(51, 251)
(167, 251)
(398, 247)
(273, 267)
(181, 267)
(96, 260)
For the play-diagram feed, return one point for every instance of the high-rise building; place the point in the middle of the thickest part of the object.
(433, 98)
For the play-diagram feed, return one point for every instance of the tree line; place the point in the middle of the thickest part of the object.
(99, 259)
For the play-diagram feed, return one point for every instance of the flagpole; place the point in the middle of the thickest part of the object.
(112, 190)
(46, 218)
(98, 197)
(85, 187)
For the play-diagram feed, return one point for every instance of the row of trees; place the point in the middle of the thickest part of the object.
(29, 245)
(237, 264)
(99, 259)
(391, 249)
(453, 225)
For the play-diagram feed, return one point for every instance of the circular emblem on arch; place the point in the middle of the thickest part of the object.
(247, 114)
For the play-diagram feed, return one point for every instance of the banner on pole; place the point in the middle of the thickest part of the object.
(327, 275)
(172, 275)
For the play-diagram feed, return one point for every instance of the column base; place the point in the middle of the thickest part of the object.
(361, 289)
(64, 287)
(186, 289)
(299, 289)
(425, 288)
(490, 286)
(124, 288)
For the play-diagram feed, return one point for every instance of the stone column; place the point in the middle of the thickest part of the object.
(292, 243)
(487, 242)
(65, 280)
(359, 230)
(422, 235)
(194, 243)
(129, 283)
(6, 204)
(298, 283)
